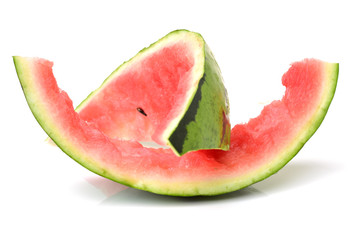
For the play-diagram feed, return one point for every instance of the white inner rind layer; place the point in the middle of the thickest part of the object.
(196, 46)
(160, 184)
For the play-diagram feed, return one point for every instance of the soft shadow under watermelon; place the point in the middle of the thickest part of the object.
(297, 174)
(294, 175)
(135, 197)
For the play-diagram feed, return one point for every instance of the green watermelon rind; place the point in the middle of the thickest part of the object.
(210, 92)
(217, 187)
(51, 129)
(310, 128)
(211, 187)
(196, 131)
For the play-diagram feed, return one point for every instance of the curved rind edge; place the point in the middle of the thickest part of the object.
(23, 69)
(218, 187)
(209, 101)
(198, 74)
(215, 187)
(332, 72)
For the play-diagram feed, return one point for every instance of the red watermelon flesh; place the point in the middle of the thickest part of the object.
(171, 92)
(258, 148)
(156, 87)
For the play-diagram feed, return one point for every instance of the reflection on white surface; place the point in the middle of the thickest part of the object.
(107, 187)
(134, 197)
(296, 174)
(46, 195)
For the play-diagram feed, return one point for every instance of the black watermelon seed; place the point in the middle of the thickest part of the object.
(140, 110)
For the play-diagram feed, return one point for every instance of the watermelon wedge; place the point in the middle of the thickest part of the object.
(258, 148)
(172, 93)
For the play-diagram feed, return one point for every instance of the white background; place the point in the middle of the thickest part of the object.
(46, 195)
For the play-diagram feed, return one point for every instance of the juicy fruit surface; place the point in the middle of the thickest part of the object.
(258, 148)
(155, 92)
(171, 93)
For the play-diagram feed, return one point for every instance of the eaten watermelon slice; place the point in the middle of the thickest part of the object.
(258, 148)
(172, 93)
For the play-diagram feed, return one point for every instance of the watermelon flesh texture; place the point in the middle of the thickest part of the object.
(258, 148)
(170, 93)
(143, 97)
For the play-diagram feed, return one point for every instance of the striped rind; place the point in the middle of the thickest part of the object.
(205, 124)
(235, 182)
(184, 187)
(202, 129)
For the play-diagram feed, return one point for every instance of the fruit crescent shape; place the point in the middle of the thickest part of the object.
(258, 148)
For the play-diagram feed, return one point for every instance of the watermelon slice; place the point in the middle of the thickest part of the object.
(172, 93)
(258, 148)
